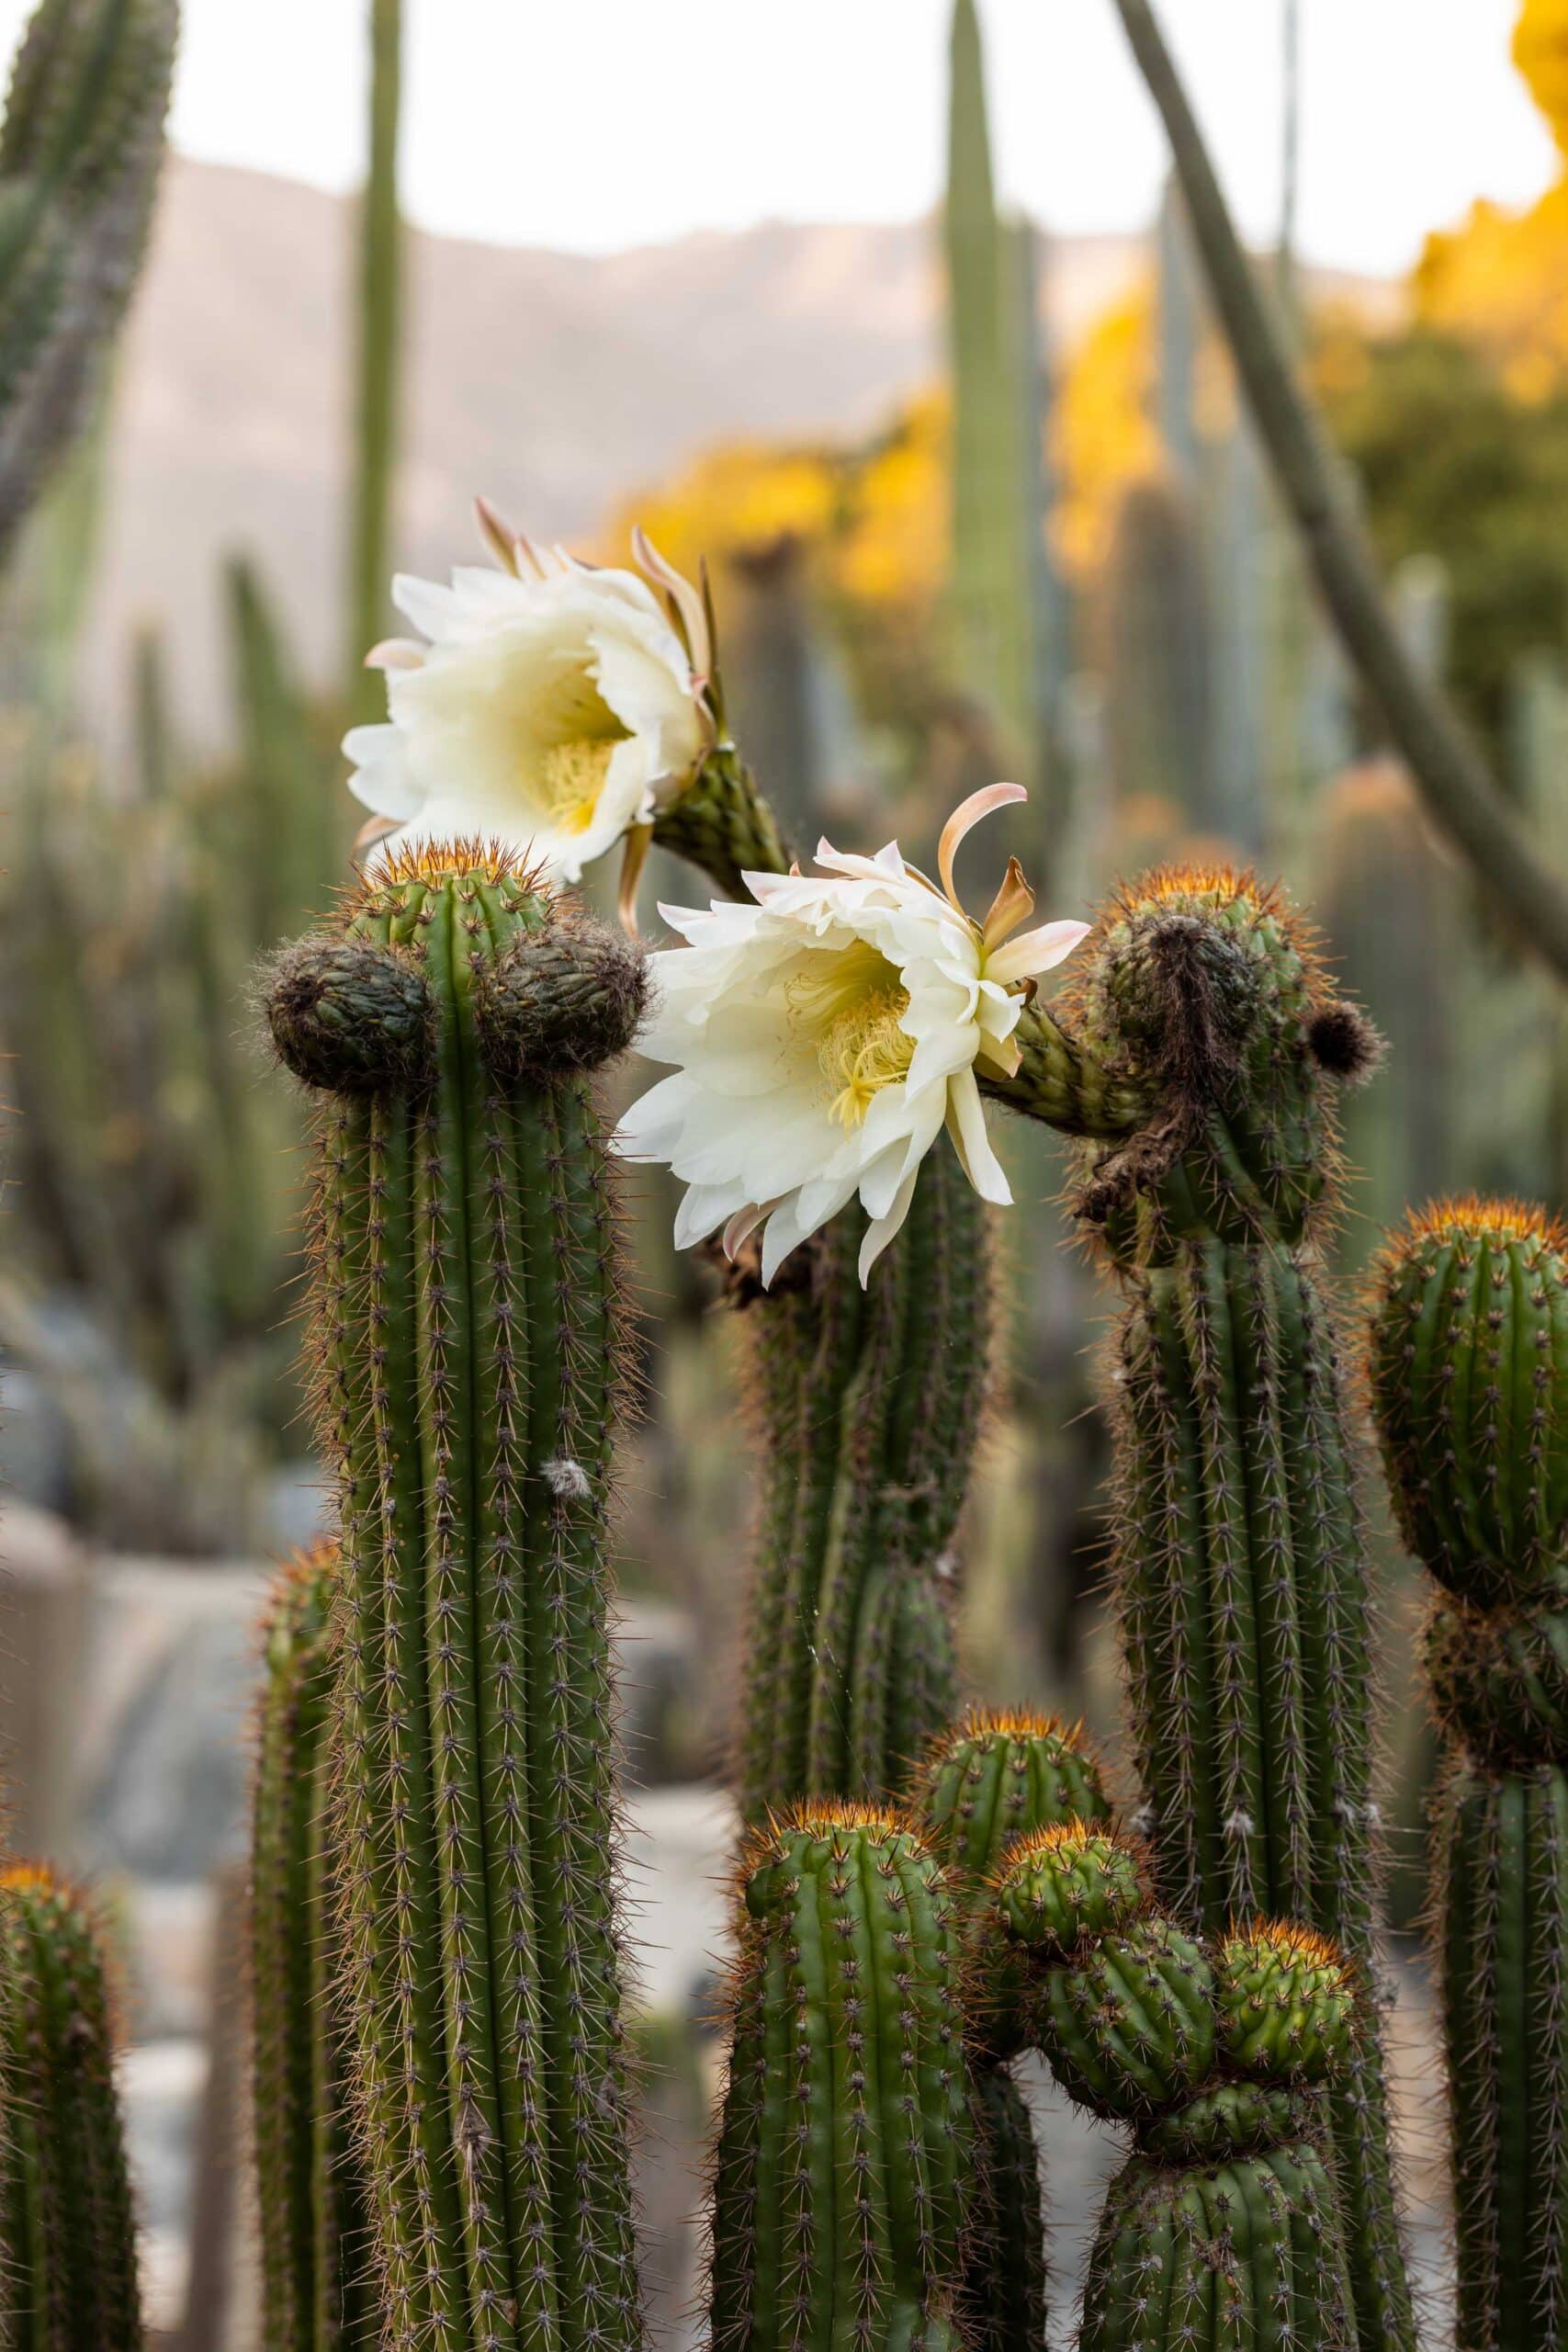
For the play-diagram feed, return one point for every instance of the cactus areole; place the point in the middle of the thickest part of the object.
(467, 1335)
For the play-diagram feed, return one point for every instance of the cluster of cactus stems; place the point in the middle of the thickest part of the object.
(1224, 2228)
(1468, 1375)
(68, 2273)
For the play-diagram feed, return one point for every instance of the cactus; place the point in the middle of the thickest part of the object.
(67, 2230)
(992, 1779)
(871, 1401)
(1201, 1021)
(1224, 2228)
(378, 360)
(316, 2256)
(80, 151)
(1468, 1370)
(288, 845)
(1157, 656)
(847, 2072)
(466, 1332)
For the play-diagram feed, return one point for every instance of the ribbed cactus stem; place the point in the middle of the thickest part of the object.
(68, 2280)
(987, 1782)
(318, 2261)
(1240, 1558)
(467, 1332)
(870, 1402)
(1224, 2228)
(1468, 1367)
(843, 2151)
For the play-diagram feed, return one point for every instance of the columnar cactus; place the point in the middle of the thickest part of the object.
(870, 1403)
(466, 1332)
(1223, 2227)
(869, 1406)
(1202, 1025)
(843, 2153)
(317, 2259)
(79, 153)
(993, 1779)
(1468, 1364)
(67, 2231)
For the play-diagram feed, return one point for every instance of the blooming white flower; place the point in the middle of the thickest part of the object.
(553, 710)
(823, 1035)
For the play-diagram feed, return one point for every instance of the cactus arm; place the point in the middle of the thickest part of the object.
(378, 368)
(1454, 780)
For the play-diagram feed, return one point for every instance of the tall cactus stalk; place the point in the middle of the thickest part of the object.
(1201, 1020)
(837, 2208)
(1468, 1364)
(467, 1336)
(68, 2277)
(1222, 2229)
(79, 153)
(378, 376)
(317, 2259)
(869, 1406)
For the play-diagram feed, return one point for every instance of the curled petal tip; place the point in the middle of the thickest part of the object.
(637, 842)
(395, 653)
(498, 535)
(964, 818)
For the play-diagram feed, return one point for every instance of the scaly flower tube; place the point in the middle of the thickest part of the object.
(553, 711)
(823, 1034)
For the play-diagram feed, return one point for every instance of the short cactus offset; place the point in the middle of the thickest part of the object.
(993, 1778)
(466, 1331)
(318, 2262)
(844, 2149)
(1224, 2228)
(67, 2231)
(1467, 1370)
(1196, 1048)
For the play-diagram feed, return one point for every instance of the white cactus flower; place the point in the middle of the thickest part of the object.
(553, 709)
(823, 1035)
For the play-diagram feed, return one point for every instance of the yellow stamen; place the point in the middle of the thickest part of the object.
(570, 778)
(864, 1051)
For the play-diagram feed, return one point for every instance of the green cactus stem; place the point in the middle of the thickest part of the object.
(843, 2152)
(317, 2256)
(995, 1777)
(79, 153)
(67, 2230)
(1240, 1556)
(467, 1336)
(1468, 1373)
(1224, 2228)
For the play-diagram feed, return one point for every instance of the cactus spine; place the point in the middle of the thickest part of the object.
(1240, 1556)
(1467, 1365)
(316, 2251)
(842, 2155)
(68, 2277)
(1222, 2229)
(465, 1321)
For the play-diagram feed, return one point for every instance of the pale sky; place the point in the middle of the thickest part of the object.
(594, 124)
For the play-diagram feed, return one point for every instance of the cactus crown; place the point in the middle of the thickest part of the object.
(1206, 989)
(1466, 1367)
(999, 1773)
(1069, 1882)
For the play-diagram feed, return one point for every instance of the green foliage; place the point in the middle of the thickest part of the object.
(80, 151)
(468, 1335)
(317, 2263)
(1468, 1373)
(68, 2277)
(1451, 463)
(847, 2066)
